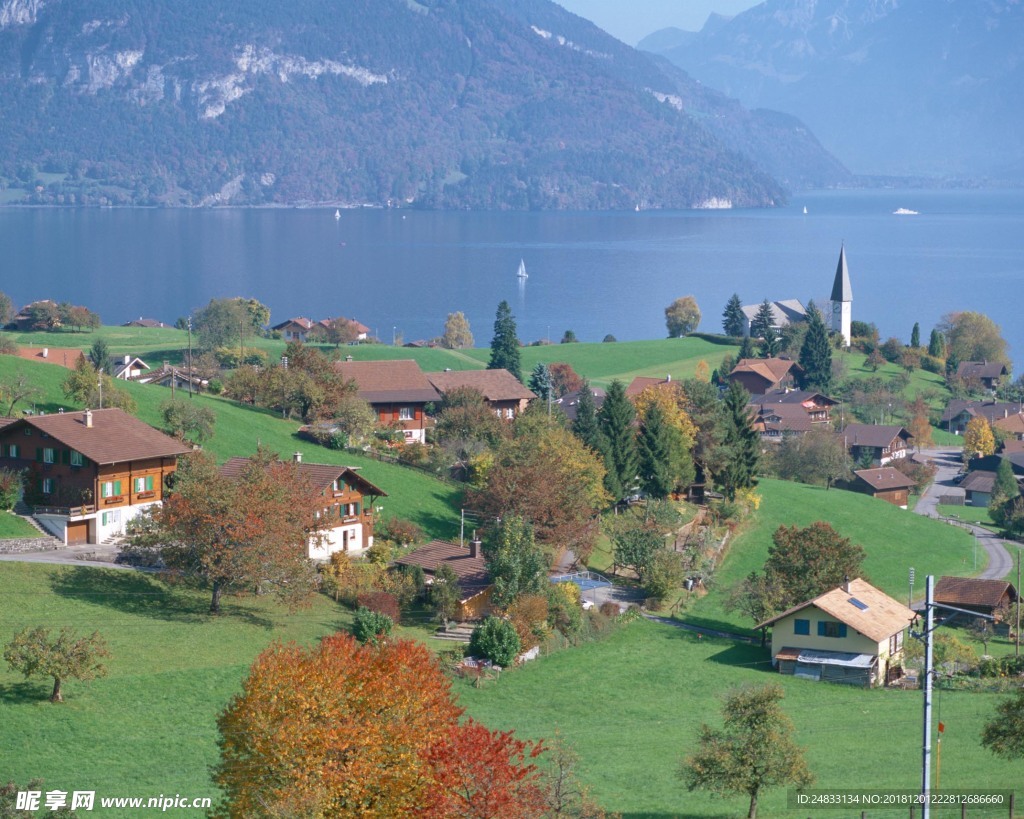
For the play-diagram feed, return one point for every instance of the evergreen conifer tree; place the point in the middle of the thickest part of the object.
(741, 443)
(915, 335)
(936, 346)
(505, 344)
(615, 420)
(665, 462)
(746, 348)
(540, 381)
(816, 354)
(732, 316)
(585, 426)
(764, 320)
(771, 343)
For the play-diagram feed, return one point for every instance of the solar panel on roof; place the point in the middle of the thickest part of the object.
(858, 604)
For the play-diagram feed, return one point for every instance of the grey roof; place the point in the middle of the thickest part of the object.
(841, 290)
(784, 312)
(873, 435)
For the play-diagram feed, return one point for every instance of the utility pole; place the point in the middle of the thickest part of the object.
(929, 625)
(99, 385)
(189, 359)
(1016, 648)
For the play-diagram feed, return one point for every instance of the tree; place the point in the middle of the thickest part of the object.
(732, 316)
(771, 343)
(228, 322)
(746, 349)
(340, 331)
(609, 339)
(445, 593)
(495, 640)
(456, 334)
(875, 360)
(566, 795)
(804, 563)
(753, 750)
(920, 426)
(540, 382)
(615, 420)
(99, 356)
(816, 355)
(636, 546)
(344, 730)
(585, 426)
(6, 309)
(763, 321)
(35, 653)
(978, 439)
(12, 484)
(43, 315)
(1004, 492)
(569, 337)
(818, 456)
(664, 456)
(505, 343)
(682, 317)
(514, 561)
(564, 379)
(466, 423)
(1003, 735)
(251, 532)
(758, 598)
(20, 388)
(187, 421)
(973, 337)
(740, 443)
(371, 626)
(936, 344)
(95, 389)
(915, 335)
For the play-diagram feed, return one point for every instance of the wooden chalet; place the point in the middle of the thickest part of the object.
(130, 368)
(398, 391)
(348, 505)
(959, 412)
(987, 374)
(851, 634)
(502, 391)
(974, 593)
(1012, 426)
(885, 483)
(884, 443)
(468, 564)
(295, 329)
(90, 472)
(764, 375)
(789, 412)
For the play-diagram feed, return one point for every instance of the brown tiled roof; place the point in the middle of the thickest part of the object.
(980, 369)
(114, 437)
(972, 591)
(804, 398)
(874, 435)
(880, 618)
(884, 478)
(494, 385)
(1013, 424)
(1011, 446)
(385, 381)
(471, 571)
(988, 409)
(321, 476)
(979, 480)
(772, 369)
(301, 321)
(642, 382)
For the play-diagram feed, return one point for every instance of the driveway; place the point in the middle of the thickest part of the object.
(99, 555)
(948, 462)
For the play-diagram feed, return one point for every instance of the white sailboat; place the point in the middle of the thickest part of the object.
(337, 215)
(522, 274)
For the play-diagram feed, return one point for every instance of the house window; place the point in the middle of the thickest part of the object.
(110, 518)
(12, 450)
(48, 486)
(896, 642)
(352, 509)
(76, 458)
(144, 484)
(510, 413)
(48, 454)
(405, 413)
(802, 626)
(827, 628)
(110, 489)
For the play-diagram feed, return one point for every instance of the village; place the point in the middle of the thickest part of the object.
(765, 494)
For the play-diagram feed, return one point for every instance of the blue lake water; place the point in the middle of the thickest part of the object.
(594, 273)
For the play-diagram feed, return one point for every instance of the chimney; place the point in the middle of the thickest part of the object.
(87, 417)
(127, 359)
(846, 583)
(297, 457)
(474, 547)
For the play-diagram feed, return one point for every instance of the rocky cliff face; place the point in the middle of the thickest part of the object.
(512, 104)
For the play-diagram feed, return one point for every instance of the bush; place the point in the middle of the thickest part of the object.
(564, 612)
(401, 531)
(8, 346)
(381, 603)
(931, 364)
(371, 626)
(414, 453)
(610, 609)
(10, 488)
(495, 640)
(215, 386)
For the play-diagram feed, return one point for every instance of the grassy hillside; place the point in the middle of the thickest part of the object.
(894, 539)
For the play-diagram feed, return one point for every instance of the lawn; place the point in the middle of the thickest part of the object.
(971, 514)
(894, 539)
(12, 526)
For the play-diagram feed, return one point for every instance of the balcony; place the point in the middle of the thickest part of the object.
(66, 511)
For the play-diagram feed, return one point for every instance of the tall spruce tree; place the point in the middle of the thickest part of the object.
(915, 335)
(505, 344)
(936, 345)
(665, 461)
(771, 343)
(732, 316)
(763, 321)
(615, 420)
(585, 426)
(740, 442)
(540, 381)
(746, 349)
(816, 354)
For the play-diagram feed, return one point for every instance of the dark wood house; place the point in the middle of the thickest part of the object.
(502, 391)
(468, 564)
(885, 483)
(974, 593)
(398, 391)
(878, 442)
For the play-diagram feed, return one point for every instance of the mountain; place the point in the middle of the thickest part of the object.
(513, 104)
(898, 87)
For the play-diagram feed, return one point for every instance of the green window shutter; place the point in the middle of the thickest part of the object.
(356, 506)
(149, 483)
(65, 457)
(117, 487)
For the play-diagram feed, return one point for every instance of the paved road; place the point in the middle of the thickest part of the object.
(948, 461)
(92, 555)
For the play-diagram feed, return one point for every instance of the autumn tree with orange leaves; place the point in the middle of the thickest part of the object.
(340, 730)
(250, 533)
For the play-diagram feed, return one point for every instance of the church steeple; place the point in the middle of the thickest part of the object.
(842, 299)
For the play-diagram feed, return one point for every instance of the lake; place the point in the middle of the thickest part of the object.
(402, 272)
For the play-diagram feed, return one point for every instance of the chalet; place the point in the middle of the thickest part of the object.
(959, 412)
(502, 391)
(130, 367)
(295, 329)
(398, 391)
(886, 483)
(851, 634)
(762, 375)
(174, 377)
(881, 443)
(1012, 426)
(468, 564)
(144, 322)
(571, 400)
(978, 486)
(348, 505)
(784, 313)
(974, 593)
(360, 330)
(789, 412)
(643, 382)
(988, 374)
(90, 472)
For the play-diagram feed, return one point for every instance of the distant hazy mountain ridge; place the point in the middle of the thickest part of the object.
(489, 104)
(901, 87)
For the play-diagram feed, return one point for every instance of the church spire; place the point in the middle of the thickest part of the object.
(841, 290)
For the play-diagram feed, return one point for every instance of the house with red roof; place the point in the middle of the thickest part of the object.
(762, 375)
(503, 392)
(475, 583)
(398, 391)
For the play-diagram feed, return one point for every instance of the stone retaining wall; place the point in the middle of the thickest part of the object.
(29, 544)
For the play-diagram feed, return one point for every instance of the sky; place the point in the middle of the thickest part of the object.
(632, 20)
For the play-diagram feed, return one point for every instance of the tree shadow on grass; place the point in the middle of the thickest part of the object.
(745, 655)
(24, 693)
(146, 596)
